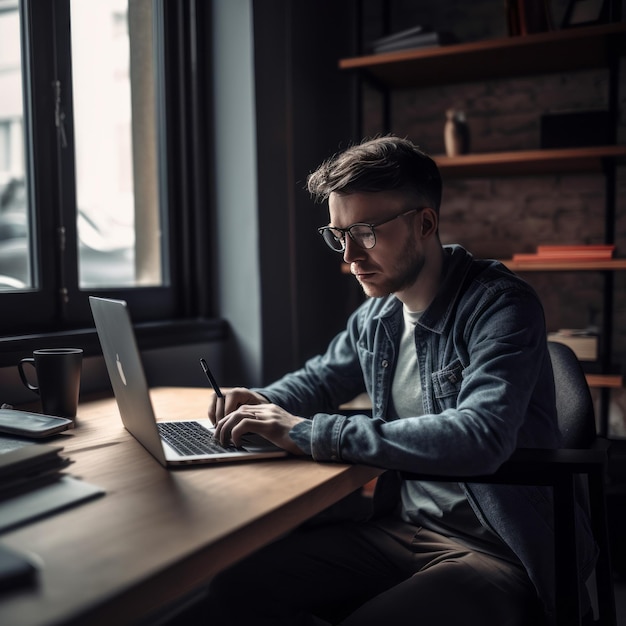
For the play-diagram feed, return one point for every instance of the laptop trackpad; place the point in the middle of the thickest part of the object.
(254, 443)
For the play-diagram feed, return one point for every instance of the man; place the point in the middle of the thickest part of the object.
(452, 352)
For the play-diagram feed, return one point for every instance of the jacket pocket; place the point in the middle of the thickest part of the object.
(447, 384)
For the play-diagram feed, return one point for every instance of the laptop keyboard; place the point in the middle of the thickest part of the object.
(191, 438)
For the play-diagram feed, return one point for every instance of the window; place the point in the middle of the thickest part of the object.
(88, 172)
(119, 229)
(15, 270)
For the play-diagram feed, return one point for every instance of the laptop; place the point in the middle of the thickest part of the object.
(172, 443)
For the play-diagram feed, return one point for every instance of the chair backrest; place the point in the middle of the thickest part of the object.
(574, 403)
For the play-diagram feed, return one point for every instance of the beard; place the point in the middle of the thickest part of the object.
(405, 272)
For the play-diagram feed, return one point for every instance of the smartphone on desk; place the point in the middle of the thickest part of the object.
(32, 425)
(16, 569)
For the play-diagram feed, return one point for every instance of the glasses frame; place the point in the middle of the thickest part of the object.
(348, 230)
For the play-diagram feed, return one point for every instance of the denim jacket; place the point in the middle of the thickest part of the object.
(487, 389)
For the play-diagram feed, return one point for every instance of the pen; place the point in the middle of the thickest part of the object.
(209, 375)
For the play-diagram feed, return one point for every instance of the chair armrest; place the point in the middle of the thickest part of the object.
(531, 466)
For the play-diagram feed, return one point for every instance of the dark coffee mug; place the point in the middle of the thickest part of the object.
(58, 379)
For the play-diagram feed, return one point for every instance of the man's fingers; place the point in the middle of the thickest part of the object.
(241, 421)
(239, 396)
(246, 425)
(216, 409)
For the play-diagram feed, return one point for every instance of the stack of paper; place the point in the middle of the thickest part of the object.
(32, 484)
(29, 467)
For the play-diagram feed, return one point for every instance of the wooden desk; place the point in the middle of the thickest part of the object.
(158, 534)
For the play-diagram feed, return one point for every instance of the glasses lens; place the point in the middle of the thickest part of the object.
(363, 235)
(334, 238)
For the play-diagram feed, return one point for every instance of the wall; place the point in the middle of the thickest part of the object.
(236, 244)
(282, 107)
(495, 217)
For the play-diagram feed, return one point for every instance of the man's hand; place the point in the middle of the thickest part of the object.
(267, 420)
(233, 399)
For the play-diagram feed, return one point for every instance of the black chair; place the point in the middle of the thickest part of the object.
(584, 455)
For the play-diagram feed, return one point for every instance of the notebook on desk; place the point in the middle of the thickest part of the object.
(172, 443)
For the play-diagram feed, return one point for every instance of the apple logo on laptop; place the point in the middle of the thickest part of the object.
(120, 369)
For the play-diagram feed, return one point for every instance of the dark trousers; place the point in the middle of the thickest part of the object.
(378, 572)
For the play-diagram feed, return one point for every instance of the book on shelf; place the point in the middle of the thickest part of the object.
(403, 34)
(566, 253)
(528, 16)
(415, 37)
(606, 249)
(583, 343)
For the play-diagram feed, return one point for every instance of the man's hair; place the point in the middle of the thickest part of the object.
(383, 164)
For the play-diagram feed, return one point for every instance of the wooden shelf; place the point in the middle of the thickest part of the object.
(530, 162)
(508, 57)
(560, 266)
(604, 380)
(569, 50)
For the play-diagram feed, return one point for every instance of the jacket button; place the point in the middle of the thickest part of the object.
(385, 363)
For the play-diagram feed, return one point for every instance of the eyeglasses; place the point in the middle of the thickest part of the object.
(363, 235)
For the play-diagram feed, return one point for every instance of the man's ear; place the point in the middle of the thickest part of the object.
(429, 222)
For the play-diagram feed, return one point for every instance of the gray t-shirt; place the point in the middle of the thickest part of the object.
(438, 506)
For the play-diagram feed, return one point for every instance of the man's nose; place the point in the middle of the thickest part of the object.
(352, 252)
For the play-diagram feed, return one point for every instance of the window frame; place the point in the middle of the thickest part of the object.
(182, 63)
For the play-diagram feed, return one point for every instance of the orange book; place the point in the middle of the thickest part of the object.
(605, 251)
(567, 253)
